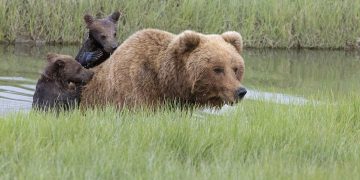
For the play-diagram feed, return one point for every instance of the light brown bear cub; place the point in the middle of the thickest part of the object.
(59, 87)
(153, 67)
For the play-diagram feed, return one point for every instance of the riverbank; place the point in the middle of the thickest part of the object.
(263, 23)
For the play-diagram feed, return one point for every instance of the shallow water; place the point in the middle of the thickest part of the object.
(280, 76)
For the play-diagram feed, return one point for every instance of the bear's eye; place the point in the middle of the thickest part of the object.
(218, 70)
(103, 37)
(235, 70)
(114, 34)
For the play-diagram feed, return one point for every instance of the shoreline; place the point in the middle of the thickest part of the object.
(40, 43)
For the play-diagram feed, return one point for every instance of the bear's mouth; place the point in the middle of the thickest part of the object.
(218, 101)
(215, 99)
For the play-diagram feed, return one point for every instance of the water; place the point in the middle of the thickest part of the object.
(280, 76)
(20, 67)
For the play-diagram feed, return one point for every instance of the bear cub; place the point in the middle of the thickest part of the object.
(59, 86)
(100, 40)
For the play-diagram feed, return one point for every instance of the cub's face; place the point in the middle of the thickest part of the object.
(68, 69)
(104, 30)
(216, 68)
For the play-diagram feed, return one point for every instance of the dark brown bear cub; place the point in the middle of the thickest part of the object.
(100, 41)
(55, 89)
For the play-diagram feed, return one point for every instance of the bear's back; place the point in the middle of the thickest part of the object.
(119, 76)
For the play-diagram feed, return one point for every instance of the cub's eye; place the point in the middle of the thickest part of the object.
(103, 37)
(235, 70)
(218, 70)
(114, 34)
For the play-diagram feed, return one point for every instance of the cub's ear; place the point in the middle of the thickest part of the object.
(88, 19)
(115, 16)
(235, 39)
(186, 42)
(59, 63)
(51, 56)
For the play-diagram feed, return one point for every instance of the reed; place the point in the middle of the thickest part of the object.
(263, 23)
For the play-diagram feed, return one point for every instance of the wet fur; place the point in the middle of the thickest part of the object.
(59, 87)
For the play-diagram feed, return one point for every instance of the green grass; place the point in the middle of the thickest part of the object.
(263, 23)
(259, 140)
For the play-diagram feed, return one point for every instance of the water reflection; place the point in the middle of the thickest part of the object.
(276, 97)
(17, 96)
(303, 73)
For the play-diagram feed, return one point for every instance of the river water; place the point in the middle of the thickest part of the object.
(281, 76)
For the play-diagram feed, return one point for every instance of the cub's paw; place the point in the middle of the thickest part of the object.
(97, 54)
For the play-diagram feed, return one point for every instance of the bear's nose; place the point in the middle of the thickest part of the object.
(240, 93)
(114, 47)
(91, 74)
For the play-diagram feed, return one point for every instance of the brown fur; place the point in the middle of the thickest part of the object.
(104, 30)
(60, 84)
(152, 67)
(100, 41)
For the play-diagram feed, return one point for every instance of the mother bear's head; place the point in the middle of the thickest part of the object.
(205, 69)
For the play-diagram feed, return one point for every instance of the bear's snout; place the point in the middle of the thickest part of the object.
(240, 93)
(114, 46)
(90, 74)
(86, 76)
(111, 48)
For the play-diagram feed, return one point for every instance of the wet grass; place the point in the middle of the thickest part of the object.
(259, 140)
(263, 23)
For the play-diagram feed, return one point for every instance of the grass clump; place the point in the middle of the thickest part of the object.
(263, 23)
(257, 140)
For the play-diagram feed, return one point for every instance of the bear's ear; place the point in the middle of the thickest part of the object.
(51, 56)
(88, 19)
(115, 16)
(187, 42)
(59, 63)
(235, 39)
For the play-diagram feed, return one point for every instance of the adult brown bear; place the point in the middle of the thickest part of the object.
(153, 67)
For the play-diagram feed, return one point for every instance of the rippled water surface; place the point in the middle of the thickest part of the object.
(281, 76)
